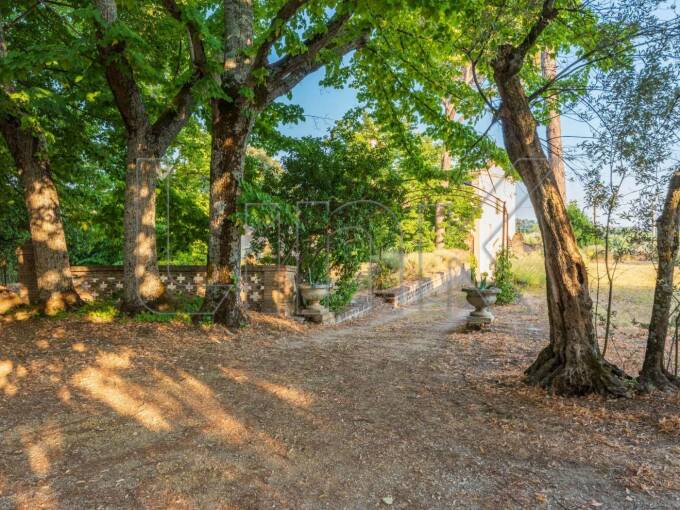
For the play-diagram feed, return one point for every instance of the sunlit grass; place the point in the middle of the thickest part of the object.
(633, 286)
(99, 311)
(529, 271)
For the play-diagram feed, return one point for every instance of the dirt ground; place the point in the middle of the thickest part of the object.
(397, 410)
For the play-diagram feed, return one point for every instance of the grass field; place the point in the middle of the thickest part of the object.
(633, 285)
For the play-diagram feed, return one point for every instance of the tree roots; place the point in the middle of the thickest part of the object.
(586, 374)
(658, 379)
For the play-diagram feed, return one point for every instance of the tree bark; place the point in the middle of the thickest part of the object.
(142, 286)
(554, 127)
(231, 128)
(571, 363)
(147, 143)
(653, 374)
(53, 270)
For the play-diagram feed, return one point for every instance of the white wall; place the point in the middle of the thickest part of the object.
(488, 237)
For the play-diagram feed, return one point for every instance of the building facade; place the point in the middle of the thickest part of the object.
(497, 223)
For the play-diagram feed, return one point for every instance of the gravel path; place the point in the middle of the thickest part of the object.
(396, 410)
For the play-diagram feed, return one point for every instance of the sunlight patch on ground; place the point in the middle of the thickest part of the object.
(279, 323)
(201, 399)
(115, 360)
(41, 445)
(79, 347)
(10, 376)
(42, 344)
(43, 497)
(125, 398)
(290, 395)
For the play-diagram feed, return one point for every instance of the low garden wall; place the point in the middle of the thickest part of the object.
(413, 291)
(266, 288)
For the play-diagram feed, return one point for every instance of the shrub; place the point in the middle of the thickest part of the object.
(585, 232)
(503, 278)
(105, 310)
(341, 296)
(383, 275)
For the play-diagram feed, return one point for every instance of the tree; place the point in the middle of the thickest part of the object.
(553, 129)
(654, 374)
(571, 363)
(586, 233)
(147, 142)
(638, 116)
(304, 37)
(501, 43)
(27, 144)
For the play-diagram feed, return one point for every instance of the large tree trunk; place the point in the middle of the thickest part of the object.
(147, 143)
(653, 374)
(571, 363)
(231, 128)
(53, 270)
(142, 287)
(554, 127)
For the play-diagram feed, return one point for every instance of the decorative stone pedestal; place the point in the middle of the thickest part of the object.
(318, 316)
(481, 299)
(477, 323)
(315, 311)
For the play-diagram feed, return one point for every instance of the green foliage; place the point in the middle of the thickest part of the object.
(343, 291)
(503, 278)
(586, 233)
(105, 310)
(342, 199)
(383, 274)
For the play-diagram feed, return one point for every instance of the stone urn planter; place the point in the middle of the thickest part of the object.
(312, 294)
(482, 300)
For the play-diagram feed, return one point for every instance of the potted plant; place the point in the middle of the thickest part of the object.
(316, 283)
(482, 294)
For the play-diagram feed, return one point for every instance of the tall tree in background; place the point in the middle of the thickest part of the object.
(440, 209)
(27, 144)
(553, 129)
(147, 142)
(304, 37)
(638, 113)
(497, 41)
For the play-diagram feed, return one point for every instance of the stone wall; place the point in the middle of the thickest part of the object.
(267, 289)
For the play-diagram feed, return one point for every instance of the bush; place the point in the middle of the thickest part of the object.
(585, 232)
(503, 278)
(383, 274)
(341, 295)
(105, 310)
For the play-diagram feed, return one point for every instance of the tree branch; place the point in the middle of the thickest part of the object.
(289, 67)
(125, 89)
(177, 113)
(285, 14)
(198, 57)
(119, 73)
(284, 81)
(511, 58)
